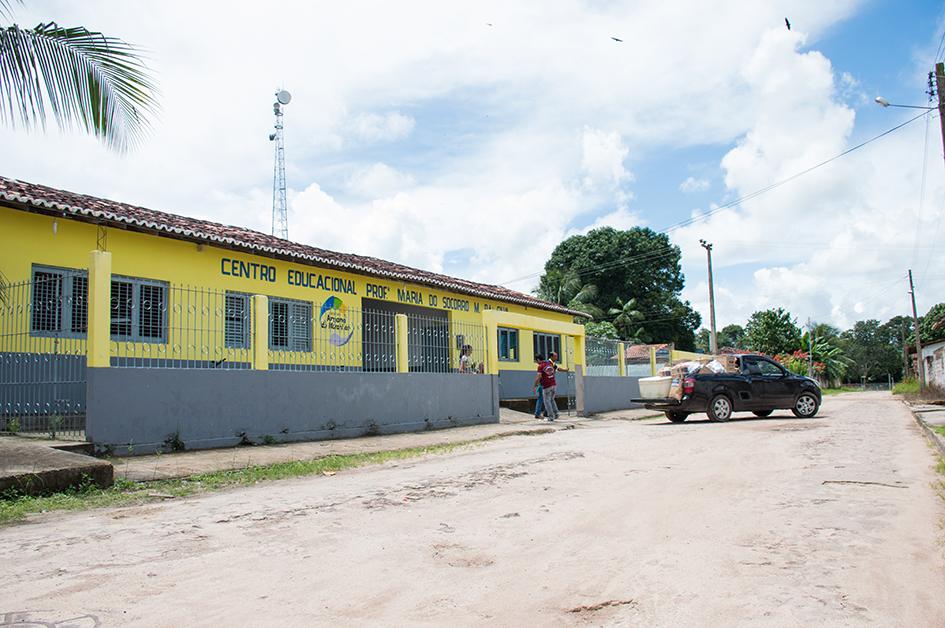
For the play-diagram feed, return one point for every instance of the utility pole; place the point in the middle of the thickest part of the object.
(919, 366)
(713, 340)
(810, 349)
(939, 89)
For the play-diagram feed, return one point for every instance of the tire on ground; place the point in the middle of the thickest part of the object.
(720, 408)
(762, 413)
(677, 417)
(806, 405)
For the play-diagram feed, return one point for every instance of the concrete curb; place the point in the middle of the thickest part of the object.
(931, 434)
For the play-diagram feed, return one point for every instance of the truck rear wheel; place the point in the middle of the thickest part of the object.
(720, 408)
(677, 417)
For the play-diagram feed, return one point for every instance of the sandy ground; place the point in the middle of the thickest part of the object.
(780, 522)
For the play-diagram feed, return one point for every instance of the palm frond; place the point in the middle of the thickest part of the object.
(84, 78)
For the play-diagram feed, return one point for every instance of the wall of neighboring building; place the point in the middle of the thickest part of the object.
(934, 357)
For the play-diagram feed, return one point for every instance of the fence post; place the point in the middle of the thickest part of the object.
(403, 356)
(579, 390)
(653, 360)
(99, 316)
(621, 360)
(260, 309)
(579, 352)
(492, 345)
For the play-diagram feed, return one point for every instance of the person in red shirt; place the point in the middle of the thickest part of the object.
(546, 377)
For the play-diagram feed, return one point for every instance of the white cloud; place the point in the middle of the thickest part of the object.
(692, 184)
(378, 180)
(602, 158)
(833, 245)
(373, 127)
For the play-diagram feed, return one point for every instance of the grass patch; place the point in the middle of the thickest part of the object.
(832, 391)
(939, 429)
(907, 387)
(15, 507)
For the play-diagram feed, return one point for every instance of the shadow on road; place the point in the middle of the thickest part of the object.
(741, 419)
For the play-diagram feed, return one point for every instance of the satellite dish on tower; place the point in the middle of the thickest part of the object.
(283, 97)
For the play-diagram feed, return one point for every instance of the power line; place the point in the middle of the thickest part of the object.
(740, 200)
(778, 184)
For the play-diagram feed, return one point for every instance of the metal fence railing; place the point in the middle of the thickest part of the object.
(602, 355)
(43, 324)
(335, 338)
(156, 325)
(640, 360)
(434, 345)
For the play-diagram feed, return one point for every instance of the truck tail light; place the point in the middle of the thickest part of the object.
(689, 384)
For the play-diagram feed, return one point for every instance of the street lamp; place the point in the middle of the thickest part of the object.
(882, 102)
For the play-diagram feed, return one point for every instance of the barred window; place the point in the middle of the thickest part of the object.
(47, 301)
(59, 302)
(290, 325)
(546, 343)
(236, 320)
(60, 305)
(122, 303)
(138, 310)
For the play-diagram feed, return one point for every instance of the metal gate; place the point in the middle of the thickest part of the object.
(43, 325)
(569, 360)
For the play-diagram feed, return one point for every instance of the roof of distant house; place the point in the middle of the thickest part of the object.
(44, 199)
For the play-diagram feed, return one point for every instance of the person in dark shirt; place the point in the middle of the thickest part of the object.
(546, 378)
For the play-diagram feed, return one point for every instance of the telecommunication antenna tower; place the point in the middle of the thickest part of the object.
(280, 218)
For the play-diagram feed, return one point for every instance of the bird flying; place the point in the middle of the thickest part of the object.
(615, 39)
(787, 23)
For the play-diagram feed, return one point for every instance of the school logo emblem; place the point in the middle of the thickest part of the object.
(334, 317)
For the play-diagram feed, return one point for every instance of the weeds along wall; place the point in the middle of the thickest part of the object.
(31, 242)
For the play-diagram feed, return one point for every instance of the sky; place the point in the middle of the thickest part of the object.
(470, 138)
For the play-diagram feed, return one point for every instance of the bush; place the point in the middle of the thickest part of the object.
(908, 386)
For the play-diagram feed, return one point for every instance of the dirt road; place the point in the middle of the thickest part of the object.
(780, 522)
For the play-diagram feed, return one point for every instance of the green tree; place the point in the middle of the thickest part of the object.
(732, 336)
(703, 341)
(601, 329)
(637, 264)
(932, 325)
(626, 319)
(826, 350)
(825, 331)
(568, 290)
(772, 332)
(871, 349)
(82, 78)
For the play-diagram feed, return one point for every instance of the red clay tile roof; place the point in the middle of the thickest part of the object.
(640, 352)
(112, 213)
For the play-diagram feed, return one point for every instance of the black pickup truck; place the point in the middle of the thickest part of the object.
(761, 386)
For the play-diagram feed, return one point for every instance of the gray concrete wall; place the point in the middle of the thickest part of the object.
(610, 393)
(518, 384)
(212, 408)
(42, 384)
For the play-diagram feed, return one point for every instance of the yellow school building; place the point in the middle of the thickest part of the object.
(191, 291)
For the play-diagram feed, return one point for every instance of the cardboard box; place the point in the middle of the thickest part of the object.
(730, 362)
